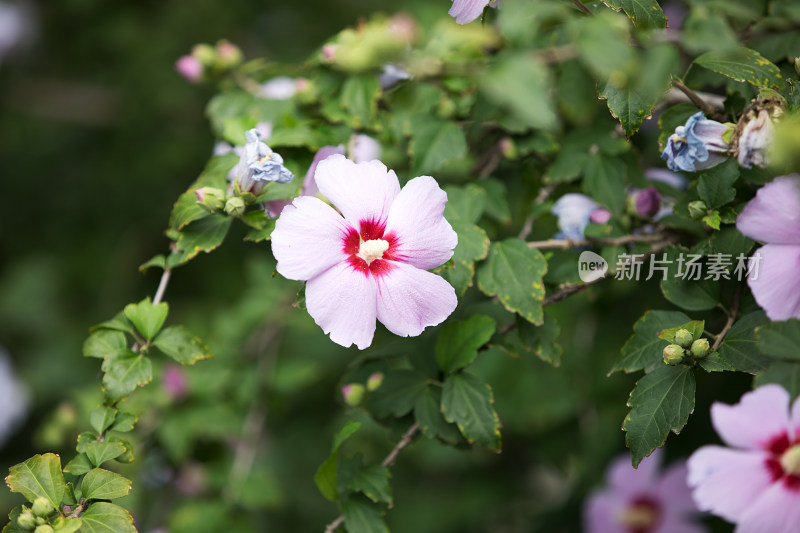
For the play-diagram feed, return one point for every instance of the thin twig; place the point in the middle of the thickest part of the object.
(701, 104)
(544, 194)
(567, 244)
(582, 7)
(731, 319)
(405, 440)
(162, 285)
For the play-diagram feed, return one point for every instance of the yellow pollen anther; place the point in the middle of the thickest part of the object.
(638, 517)
(371, 250)
(790, 460)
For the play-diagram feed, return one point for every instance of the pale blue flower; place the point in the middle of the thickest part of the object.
(573, 211)
(696, 145)
(259, 165)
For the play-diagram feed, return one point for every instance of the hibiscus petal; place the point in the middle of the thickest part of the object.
(773, 216)
(341, 301)
(759, 417)
(410, 299)
(363, 191)
(775, 282)
(629, 481)
(777, 510)
(424, 237)
(601, 513)
(726, 481)
(675, 524)
(672, 489)
(308, 238)
(466, 11)
(795, 423)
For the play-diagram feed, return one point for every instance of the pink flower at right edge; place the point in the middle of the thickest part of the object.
(756, 483)
(642, 500)
(369, 261)
(773, 217)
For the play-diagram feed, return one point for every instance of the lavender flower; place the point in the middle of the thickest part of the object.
(696, 145)
(259, 165)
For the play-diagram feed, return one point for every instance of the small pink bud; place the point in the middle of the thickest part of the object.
(353, 393)
(329, 52)
(190, 68)
(648, 202)
(600, 216)
(374, 381)
(201, 194)
(301, 84)
(174, 382)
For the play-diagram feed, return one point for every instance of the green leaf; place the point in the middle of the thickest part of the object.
(201, 236)
(262, 226)
(178, 343)
(124, 422)
(105, 343)
(124, 373)
(397, 394)
(690, 294)
(85, 438)
(467, 401)
(187, 210)
(100, 452)
(645, 14)
(459, 341)
(541, 340)
(464, 207)
(520, 83)
(739, 346)
(784, 374)
(643, 351)
(715, 185)
(326, 477)
(38, 477)
(105, 517)
(101, 418)
(360, 95)
(13, 526)
(780, 340)
(604, 180)
(428, 413)
(373, 482)
(695, 327)
(496, 200)
(159, 261)
(363, 516)
(79, 465)
(434, 142)
(66, 525)
(118, 323)
(742, 64)
(101, 484)
(513, 272)
(714, 363)
(147, 317)
(661, 402)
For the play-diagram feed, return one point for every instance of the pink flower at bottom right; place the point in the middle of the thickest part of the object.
(754, 483)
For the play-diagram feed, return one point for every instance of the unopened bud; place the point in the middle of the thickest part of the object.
(26, 519)
(211, 198)
(797, 65)
(329, 52)
(647, 202)
(700, 348)
(698, 209)
(42, 506)
(205, 53)
(374, 381)
(673, 354)
(190, 68)
(44, 528)
(508, 148)
(601, 215)
(353, 394)
(229, 54)
(684, 338)
(234, 206)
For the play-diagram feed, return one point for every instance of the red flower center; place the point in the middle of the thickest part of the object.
(370, 249)
(641, 516)
(784, 461)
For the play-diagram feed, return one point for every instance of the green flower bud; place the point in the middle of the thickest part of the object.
(698, 209)
(234, 206)
(26, 519)
(374, 381)
(205, 53)
(42, 506)
(211, 198)
(700, 348)
(353, 394)
(44, 528)
(228, 54)
(673, 354)
(797, 65)
(684, 338)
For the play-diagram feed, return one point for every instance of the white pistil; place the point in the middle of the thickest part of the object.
(371, 250)
(790, 460)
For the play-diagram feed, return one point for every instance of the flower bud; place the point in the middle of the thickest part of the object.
(44, 528)
(755, 140)
(211, 198)
(26, 519)
(190, 68)
(508, 148)
(234, 206)
(205, 53)
(228, 54)
(673, 354)
(42, 506)
(647, 202)
(684, 338)
(374, 381)
(797, 65)
(698, 209)
(353, 393)
(601, 215)
(700, 348)
(259, 165)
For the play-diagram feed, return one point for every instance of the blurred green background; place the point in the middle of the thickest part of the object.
(98, 137)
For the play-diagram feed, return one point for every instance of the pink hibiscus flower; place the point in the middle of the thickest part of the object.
(755, 484)
(369, 262)
(641, 500)
(773, 217)
(465, 11)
